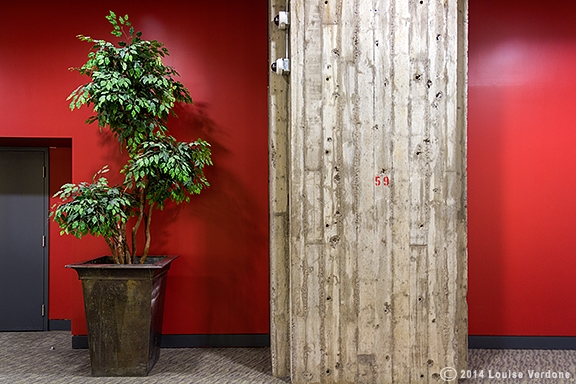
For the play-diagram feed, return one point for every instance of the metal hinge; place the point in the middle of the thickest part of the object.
(282, 20)
(43, 241)
(44, 172)
(43, 310)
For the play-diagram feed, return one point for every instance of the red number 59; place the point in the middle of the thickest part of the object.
(382, 180)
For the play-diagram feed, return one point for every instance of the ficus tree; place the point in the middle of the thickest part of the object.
(132, 93)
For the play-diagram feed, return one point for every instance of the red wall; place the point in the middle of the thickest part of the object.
(522, 168)
(220, 282)
(522, 123)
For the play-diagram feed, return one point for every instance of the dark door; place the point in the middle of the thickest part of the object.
(23, 230)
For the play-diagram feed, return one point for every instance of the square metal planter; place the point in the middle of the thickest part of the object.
(124, 306)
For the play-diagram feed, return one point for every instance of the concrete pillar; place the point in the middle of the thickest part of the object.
(368, 191)
(278, 115)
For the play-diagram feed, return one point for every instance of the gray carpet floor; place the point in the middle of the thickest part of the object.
(47, 358)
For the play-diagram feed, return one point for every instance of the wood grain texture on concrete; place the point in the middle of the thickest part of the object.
(278, 108)
(374, 142)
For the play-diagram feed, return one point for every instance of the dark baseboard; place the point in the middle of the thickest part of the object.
(263, 340)
(59, 325)
(237, 341)
(195, 341)
(521, 342)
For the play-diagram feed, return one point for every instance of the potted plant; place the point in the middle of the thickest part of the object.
(132, 93)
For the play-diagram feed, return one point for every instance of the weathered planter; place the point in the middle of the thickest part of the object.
(124, 309)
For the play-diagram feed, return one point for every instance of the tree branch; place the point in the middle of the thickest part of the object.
(138, 222)
(147, 234)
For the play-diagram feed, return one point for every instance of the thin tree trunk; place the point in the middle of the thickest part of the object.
(112, 250)
(120, 251)
(147, 234)
(119, 241)
(124, 245)
(138, 222)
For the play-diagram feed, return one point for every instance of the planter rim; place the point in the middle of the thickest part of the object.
(87, 264)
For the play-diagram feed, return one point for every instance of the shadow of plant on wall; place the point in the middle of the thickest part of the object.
(231, 230)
